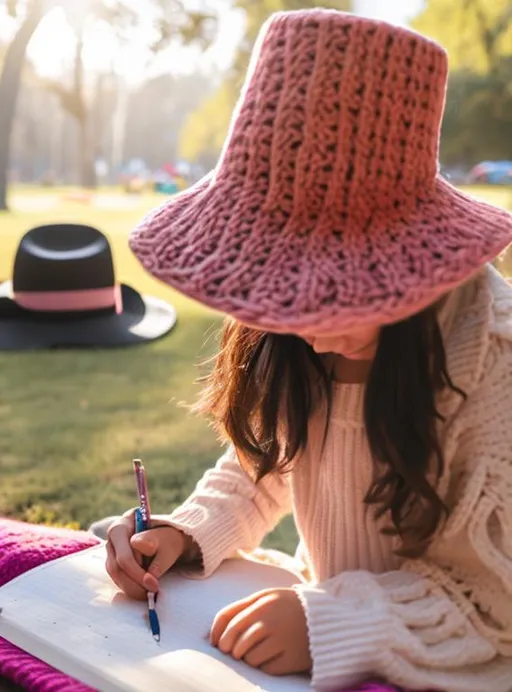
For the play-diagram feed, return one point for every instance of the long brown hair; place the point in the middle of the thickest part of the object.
(264, 388)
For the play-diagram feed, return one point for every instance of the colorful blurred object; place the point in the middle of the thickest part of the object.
(167, 188)
(492, 173)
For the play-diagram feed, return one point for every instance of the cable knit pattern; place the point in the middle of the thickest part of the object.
(323, 496)
(326, 208)
(24, 547)
(217, 524)
(443, 621)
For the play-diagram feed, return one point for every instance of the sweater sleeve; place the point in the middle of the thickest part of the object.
(228, 512)
(442, 622)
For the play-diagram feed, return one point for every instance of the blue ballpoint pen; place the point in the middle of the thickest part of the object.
(142, 523)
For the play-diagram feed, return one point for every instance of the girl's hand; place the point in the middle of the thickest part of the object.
(267, 630)
(126, 549)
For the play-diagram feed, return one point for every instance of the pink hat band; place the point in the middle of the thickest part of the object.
(71, 301)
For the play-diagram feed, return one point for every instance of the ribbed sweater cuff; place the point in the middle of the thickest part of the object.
(348, 635)
(218, 535)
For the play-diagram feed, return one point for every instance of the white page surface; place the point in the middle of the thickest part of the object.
(68, 613)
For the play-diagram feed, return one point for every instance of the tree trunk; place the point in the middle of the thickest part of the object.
(119, 125)
(10, 81)
(86, 139)
(87, 153)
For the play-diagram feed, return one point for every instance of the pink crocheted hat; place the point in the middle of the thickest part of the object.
(326, 210)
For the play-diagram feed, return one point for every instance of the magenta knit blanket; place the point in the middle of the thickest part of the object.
(25, 546)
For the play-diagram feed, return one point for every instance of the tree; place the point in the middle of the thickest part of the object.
(153, 134)
(44, 140)
(476, 33)
(203, 133)
(473, 130)
(10, 79)
(74, 101)
(171, 22)
(205, 130)
(478, 37)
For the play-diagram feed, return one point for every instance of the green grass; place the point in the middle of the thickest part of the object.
(72, 421)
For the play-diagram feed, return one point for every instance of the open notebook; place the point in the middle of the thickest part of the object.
(69, 614)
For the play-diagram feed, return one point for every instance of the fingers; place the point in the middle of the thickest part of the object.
(146, 546)
(129, 518)
(267, 631)
(277, 666)
(123, 564)
(224, 616)
(164, 545)
(263, 655)
(247, 641)
(145, 543)
(119, 539)
(239, 624)
(252, 643)
(129, 587)
(161, 547)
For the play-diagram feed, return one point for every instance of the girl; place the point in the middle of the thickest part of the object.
(365, 372)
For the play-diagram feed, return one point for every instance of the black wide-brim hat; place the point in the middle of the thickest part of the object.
(64, 294)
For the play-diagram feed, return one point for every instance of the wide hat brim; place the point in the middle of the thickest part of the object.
(143, 319)
(293, 274)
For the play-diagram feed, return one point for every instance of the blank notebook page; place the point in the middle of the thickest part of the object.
(69, 614)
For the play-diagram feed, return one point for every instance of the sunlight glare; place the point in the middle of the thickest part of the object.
(54, 43)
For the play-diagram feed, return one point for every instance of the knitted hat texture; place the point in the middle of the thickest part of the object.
(326, 210)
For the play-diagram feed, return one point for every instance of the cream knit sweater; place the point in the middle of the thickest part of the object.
(444, 621)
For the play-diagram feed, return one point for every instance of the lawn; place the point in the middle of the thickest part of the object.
(72, 420)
